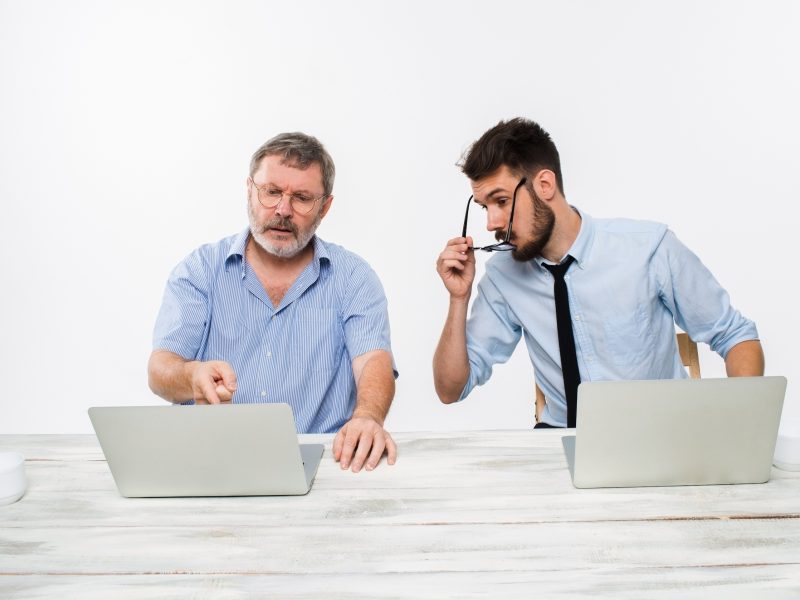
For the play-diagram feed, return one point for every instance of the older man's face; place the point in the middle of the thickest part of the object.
(284, 230)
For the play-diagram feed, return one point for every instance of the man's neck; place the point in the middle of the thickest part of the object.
(565, 232)
(277, 274)
(278, 265)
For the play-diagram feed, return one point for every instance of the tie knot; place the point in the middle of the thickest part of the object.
(560, 270)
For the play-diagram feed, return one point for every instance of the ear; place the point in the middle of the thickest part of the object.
(326, 207)
(544, 184)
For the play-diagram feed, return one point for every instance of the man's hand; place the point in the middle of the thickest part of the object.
(456, 267)
(176, 379)
(361, 442)
(212, 382)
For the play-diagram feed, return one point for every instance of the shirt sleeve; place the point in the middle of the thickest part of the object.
(182, 321)
(492, 334)
(700, 305)
(365, 315)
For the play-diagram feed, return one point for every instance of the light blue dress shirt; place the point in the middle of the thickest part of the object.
(215, 308)
(630, 283)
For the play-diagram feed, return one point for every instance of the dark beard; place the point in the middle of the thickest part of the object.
(544, 220)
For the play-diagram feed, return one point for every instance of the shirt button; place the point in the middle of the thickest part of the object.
(269, 354)
(263, 393)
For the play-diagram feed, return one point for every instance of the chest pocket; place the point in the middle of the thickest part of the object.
(319, 338)
(627, 337)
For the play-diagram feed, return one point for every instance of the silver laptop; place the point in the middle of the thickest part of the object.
(675, 432)
(221, 450)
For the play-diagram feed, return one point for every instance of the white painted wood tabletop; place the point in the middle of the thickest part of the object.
(461, 515)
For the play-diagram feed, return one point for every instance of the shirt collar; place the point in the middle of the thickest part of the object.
(240, 243)
(583, 242)
(321, 255)
(320, 250)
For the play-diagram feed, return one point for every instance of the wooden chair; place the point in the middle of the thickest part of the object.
(687, 348)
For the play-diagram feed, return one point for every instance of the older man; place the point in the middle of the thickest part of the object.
(275, 314)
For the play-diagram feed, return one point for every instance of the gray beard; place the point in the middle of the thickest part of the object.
(301, 238)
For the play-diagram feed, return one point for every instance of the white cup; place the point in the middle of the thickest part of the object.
(12, 477)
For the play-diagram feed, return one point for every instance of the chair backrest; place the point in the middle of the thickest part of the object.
(687, 348)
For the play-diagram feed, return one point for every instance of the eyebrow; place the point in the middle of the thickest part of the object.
(494, 192)
(275, 185)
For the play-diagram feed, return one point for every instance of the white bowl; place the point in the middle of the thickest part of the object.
(12, 477)
(787, 452)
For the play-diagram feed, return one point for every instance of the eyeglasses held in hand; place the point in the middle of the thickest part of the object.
(505, 245)
(269, 196)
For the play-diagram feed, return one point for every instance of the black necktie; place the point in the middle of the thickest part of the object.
(566, 339)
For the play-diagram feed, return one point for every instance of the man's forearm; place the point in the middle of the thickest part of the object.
(450, 362)
(745, 359)
(168, 376)
(375, 387)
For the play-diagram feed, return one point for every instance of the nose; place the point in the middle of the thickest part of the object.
(495, 218)
(284, 207)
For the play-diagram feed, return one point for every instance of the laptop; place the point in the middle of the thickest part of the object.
(675, 432)
(210, 450)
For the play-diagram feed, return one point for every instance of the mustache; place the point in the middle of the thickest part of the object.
(279, 223)
(500, 236)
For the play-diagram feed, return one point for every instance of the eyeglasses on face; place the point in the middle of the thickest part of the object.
(505, 245)
(269, 196)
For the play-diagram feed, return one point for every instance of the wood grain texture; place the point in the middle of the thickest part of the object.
(687, 348)
(461, 515)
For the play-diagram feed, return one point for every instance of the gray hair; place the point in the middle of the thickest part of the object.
(298, 150)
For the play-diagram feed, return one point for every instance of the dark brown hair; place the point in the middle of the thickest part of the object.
(520, 144)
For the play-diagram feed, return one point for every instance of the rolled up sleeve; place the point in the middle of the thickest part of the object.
(700, 305)
(492, 334)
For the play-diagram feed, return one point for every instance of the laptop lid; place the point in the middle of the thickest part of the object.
(675, 432)
(220, 450)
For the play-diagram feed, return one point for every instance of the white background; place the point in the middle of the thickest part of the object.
(126, 129)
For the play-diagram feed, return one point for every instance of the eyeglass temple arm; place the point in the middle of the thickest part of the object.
(513, 204)
(466, 216)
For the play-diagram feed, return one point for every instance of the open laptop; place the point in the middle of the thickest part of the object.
(675, 432)
(221, 450)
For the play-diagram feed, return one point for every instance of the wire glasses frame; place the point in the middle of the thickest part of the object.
(505, 245)
(271, 198)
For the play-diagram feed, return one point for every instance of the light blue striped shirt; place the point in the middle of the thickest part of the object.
(630, 283)
(215, 308)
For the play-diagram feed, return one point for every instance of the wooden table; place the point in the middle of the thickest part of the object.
(461, 515)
